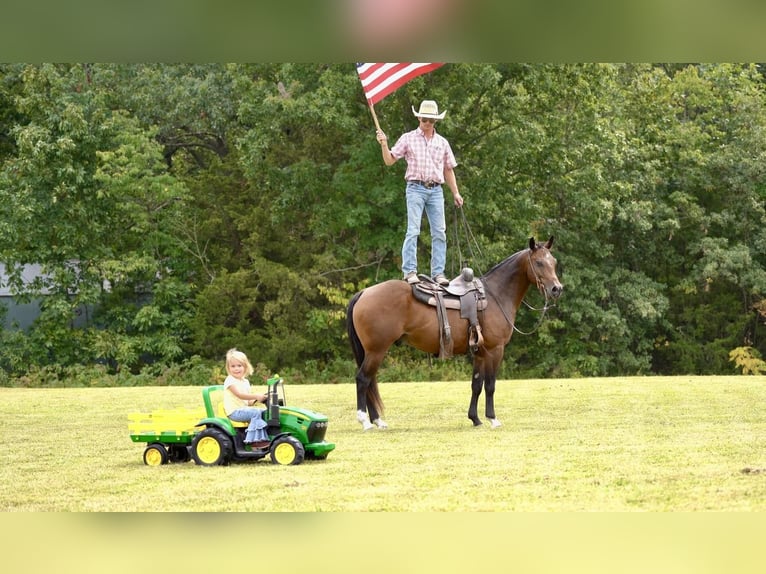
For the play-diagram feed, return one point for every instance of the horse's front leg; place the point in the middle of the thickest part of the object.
(476, 384)
(489, 389)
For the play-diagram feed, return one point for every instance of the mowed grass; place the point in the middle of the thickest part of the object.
(612, 444)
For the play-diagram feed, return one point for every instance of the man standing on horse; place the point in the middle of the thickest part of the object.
(430, 163)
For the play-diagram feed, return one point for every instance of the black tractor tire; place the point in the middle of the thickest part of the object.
(155, 454)
(211, 447)
(178, 453)
(287, 450)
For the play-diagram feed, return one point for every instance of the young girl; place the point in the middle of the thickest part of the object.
(238, 399)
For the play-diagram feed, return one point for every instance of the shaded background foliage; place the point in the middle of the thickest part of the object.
(179, 210)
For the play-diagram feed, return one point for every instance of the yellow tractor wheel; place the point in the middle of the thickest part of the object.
(155, 454)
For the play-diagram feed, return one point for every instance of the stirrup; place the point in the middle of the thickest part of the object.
(475, 338)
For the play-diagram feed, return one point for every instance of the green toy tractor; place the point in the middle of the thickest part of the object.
(210, 438)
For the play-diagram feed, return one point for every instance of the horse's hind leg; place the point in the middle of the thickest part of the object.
(375, 416)
(374, 403)
(367, 394)
(362, 384)
(477, 382)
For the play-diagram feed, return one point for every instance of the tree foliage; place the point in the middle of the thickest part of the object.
(179, 210)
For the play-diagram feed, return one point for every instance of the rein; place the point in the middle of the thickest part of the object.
(471, 241)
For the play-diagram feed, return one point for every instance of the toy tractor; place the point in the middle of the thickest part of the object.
(210, 438)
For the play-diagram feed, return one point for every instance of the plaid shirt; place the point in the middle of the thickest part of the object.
(426, 159)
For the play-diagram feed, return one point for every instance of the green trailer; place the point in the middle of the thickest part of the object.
(207, 436)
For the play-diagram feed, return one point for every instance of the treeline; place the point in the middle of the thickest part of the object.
(180, 210)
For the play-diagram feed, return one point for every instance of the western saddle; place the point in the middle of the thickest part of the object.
(464, 293)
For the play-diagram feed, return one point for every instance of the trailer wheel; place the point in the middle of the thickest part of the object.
(155, 454)
(211, 447)
(287, 450)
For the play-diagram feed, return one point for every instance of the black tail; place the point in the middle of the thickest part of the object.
(372, 394)
(356, 344)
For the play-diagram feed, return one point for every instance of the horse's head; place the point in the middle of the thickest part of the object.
(542, 268)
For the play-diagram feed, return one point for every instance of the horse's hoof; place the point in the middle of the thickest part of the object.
(494, 423)
(381, 423)
(477, 423)
(362, 417)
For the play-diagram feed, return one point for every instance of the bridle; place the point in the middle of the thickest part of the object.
(473, 243)
(545, 307)
(540, 287)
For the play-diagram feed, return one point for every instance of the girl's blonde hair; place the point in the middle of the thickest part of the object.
(240, 357)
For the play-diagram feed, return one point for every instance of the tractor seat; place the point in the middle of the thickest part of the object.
(213, 398)
(222, 413)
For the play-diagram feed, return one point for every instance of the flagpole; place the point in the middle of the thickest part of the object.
(374, 116)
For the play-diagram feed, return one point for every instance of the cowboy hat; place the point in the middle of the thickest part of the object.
(428, 109)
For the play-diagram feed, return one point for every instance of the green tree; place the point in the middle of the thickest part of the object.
(87, 197)
(701, 133)
(181, 209)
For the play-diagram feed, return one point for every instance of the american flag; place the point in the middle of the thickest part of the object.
(379, 80)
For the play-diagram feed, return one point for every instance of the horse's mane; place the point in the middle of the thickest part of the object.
(505, 262)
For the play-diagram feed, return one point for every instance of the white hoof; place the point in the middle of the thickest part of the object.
(494, 423)
(362, 417)
(381, 423)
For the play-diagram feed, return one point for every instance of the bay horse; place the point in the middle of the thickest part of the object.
(387, 312)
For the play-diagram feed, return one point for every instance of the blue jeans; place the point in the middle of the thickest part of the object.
(256, 431)
(431, 201)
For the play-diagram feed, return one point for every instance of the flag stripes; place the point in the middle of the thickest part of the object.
(379, 80)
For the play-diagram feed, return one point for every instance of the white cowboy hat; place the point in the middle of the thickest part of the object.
(428, 109)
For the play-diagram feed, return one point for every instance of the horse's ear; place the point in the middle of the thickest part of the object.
(549, 244)
(532, 244)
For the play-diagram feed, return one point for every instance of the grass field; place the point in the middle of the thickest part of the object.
(620, 444)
